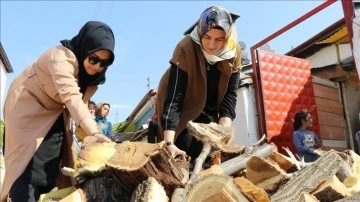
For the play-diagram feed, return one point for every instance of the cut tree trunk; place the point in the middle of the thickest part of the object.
(134, 162)
(214, 188)
(307, 179)
(108, 171)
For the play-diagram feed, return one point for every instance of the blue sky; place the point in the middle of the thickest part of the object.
(146, 32)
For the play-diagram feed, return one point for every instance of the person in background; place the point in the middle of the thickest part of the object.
(92, 108)
(201, 82)
(80, 134)
(39, 106)
(307, 144)
(102, 111)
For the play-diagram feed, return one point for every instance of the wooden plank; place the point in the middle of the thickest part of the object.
(329, 73)
(332, 132)
(334, 143)
(326, 92)
(326, 105)
(340, 149)
(331, 119)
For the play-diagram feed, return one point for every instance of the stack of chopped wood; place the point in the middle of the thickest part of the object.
(144, 172)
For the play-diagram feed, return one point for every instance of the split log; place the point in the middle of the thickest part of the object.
(251, 191)
(214, 188)
(284, 162)
(177, 195)
(353, 198)
(307, 179)
(265, 174)
(236, 164)
(211, 134)
(227, 153)
(346, 173)
(330, 190)
(68, 194)
(306, 197)
(149, 191)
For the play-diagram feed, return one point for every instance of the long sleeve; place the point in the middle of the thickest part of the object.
(109, 133)
(176, 90)
(298, 139)
(228, 104)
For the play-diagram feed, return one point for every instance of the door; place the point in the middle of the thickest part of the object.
(286, 87)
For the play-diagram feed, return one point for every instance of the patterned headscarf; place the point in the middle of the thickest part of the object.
(93, 36)
(212, 17)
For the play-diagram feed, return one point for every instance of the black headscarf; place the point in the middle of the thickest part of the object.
(93, 36)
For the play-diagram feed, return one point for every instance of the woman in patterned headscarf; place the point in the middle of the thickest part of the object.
(201, 83)
(38, 107)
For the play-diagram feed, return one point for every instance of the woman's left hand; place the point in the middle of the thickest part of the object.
(225, 121)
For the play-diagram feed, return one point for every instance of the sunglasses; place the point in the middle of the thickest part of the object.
(94, 59)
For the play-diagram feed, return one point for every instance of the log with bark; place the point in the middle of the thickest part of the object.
(307, 179)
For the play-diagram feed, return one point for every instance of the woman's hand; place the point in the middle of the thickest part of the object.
(175, 151)
(101, 138)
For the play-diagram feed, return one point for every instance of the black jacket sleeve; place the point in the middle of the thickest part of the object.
(227, 106)
(176, 91)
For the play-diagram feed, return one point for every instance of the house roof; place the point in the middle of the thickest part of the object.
(334, 34)
(5, 60)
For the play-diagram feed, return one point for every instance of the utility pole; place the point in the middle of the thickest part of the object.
(116, 116)
(148, 83)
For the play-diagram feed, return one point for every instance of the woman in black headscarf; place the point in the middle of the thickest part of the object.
(38, 107)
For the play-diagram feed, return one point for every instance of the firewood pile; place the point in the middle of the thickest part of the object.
(144, 172)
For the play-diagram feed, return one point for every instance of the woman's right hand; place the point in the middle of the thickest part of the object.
(175, 151)
(102, 138)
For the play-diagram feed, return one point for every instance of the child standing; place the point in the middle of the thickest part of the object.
(307, 144)
(92, 108)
